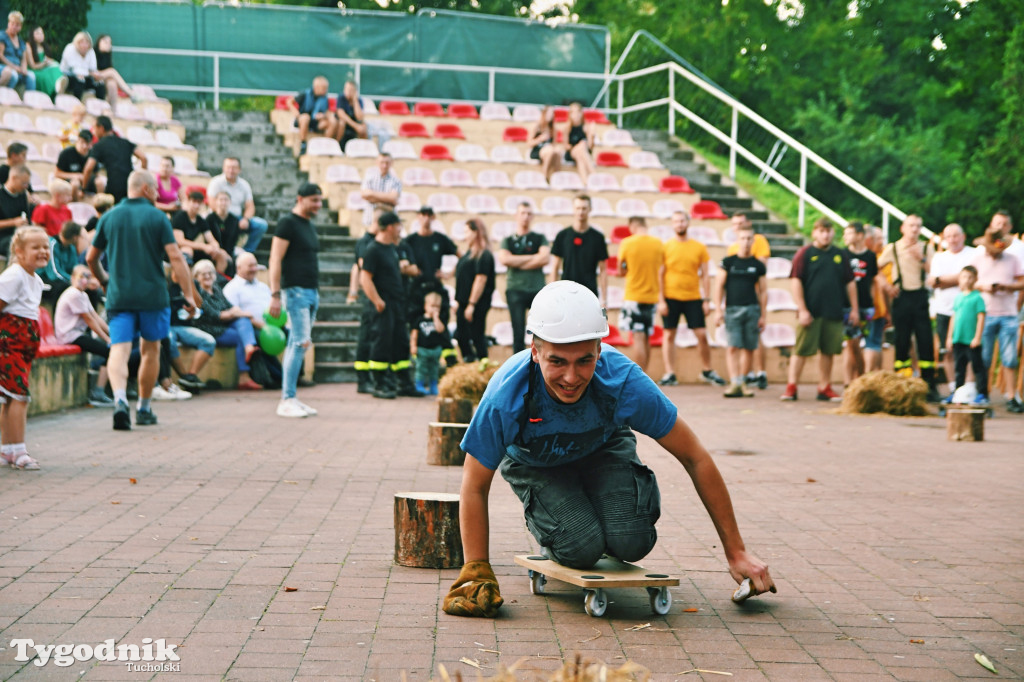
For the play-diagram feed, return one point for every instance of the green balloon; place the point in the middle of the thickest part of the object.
(273, 340)
(280, 321)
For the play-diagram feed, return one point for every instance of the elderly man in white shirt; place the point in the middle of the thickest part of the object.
(944, 278)
(247, 292)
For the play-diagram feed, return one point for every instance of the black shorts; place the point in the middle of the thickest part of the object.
(942, 330)
(693, 311)
(535, 152)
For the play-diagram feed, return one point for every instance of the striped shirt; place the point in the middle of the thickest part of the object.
(375, 182)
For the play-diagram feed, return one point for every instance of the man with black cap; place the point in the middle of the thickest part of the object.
(427, 248)
(380, 278)
(294, 273)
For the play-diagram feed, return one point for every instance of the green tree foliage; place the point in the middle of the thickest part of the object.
(60, 19)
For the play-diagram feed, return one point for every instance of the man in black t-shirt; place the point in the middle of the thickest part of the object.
(380, 278)
(864, 265)
(195, 237)
(71, 163)
(294, 274)
(745, 290)
(14, 208)
(223, 223)
(115, 154)
(821, 273)
(580, 251)
(426, 248)
(17, 155)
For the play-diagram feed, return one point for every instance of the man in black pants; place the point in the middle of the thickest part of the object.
(380, 278)
(911, 260)
(525, 254)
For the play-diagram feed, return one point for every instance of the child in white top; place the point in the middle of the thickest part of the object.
(21, 291)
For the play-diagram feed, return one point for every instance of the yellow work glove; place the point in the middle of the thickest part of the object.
(474, 592)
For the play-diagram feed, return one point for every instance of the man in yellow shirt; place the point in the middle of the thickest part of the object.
(761, 251)
(685, 291)
(640, 258)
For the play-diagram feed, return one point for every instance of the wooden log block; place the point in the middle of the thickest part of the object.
(443, 443)
(965, 423)
(454, 410)
(427, 530)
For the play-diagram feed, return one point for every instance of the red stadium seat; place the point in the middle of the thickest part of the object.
(561, 115)
(48, 346)
(515, 134)
(657, 336)
(435, 152)
(196, 188)
(413, 129)
(594, 116)
(281, 101)
(462, 111)
(611, 159)
(428, 109)
(707, 210)
(393, 108)
(675, 184)
(620, 232)
(613, 266)
(332, 104)
(617, 338)
(449, 131)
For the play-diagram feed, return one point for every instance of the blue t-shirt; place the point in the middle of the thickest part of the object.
(311, 103)
(619, 394)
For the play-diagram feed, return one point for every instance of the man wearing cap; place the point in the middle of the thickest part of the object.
(294, 272)
(558, 422)
(427, 248)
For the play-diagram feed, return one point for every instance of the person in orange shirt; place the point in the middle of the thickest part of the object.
(685, 291)
(762, 251)
(640, 259)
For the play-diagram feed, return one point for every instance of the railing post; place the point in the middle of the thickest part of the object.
(671, 101)
(358, 76)
(490, 85)
(801, 210)
(621, 99)
(734, 137)
(216, 82)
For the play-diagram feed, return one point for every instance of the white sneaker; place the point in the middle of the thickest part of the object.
(305, 408)
(178, 392)
(160, 393)
(290, 408)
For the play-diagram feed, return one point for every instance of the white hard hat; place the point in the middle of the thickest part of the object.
(567, 312)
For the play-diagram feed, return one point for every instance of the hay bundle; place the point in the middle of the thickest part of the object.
(467, 381)
(886, 392)
(579, 670)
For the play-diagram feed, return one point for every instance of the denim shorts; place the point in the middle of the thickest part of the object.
(151, 325)
(741, 325)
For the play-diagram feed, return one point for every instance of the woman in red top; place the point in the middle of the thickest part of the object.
(53, 215)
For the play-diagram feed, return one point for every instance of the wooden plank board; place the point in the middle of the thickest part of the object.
(608, 572)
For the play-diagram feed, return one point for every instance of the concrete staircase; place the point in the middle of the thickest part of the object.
(275, 177)
(708, 182)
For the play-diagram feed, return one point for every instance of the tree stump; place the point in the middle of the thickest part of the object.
(443, 444)
(454, 410)
(427, 530)
(965, 423)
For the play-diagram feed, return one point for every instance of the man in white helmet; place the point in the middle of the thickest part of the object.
(557, 420)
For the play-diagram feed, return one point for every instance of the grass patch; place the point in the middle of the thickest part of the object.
(248, 103)
(777, 199)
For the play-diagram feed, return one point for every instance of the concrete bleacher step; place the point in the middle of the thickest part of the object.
(336, 331)
(334, 373)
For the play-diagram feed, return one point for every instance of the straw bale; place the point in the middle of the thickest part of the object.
(887, 392)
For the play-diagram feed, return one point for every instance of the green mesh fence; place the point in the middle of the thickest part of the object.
(430, 37)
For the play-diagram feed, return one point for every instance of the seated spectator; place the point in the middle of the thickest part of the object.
(580, 138)
(78, 63)
(184, 332)
(193, 234)
(74, 125)
(542, 144)
(242, 204)
(71, 163)
(73, 318)
(64, 256)
(13, 206)
(228, 324)
(52, 216)
(107, 74)
(14, 55)
(17, 155)
(351, 119)
(381, 189)
(314, 115)
(246, 292)
(224, 224)
(169, 190)
(49, 79)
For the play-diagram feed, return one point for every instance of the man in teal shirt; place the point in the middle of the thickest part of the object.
(136, 237)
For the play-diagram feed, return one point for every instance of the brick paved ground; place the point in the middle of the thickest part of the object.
(879, 532)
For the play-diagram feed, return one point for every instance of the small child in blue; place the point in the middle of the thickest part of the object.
(965, 330)
(427, 340)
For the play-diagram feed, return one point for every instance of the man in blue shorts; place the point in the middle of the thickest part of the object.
(557, 420)
(136, 237)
